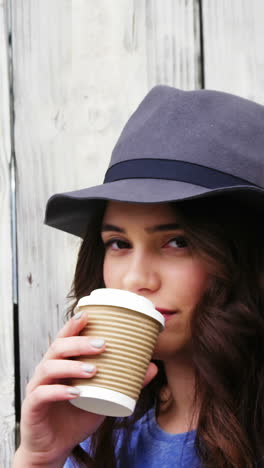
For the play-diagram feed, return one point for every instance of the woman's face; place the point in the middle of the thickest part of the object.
(146, 252)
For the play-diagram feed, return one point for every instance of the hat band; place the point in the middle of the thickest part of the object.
(168, 169)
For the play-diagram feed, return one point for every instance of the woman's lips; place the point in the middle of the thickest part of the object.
(167, 314)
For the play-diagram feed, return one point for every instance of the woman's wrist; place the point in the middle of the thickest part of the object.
(24, 459)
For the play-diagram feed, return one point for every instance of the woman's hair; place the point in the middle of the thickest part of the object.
(227, 343)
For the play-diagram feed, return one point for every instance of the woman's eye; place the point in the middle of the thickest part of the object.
(178, 242)
(116, 244)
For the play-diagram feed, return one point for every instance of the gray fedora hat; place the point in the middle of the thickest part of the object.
(177, 145)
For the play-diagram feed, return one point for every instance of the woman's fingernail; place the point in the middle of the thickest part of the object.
(88, 367)
(73, 391)
(77, 316)
(97, 342)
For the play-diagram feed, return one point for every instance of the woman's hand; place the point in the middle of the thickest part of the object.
(50, 426)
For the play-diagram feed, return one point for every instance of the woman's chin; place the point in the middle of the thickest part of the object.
(168, 347)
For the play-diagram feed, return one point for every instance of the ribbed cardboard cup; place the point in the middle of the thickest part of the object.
(130, 325)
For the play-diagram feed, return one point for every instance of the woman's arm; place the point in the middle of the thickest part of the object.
(23, 459)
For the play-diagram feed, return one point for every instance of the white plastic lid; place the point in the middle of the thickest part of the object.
(121, 298)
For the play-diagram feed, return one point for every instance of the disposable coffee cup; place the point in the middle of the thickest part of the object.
(130, 325)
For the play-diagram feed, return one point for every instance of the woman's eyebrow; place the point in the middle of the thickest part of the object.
(163, 227)
(111, 227)
(151, 229)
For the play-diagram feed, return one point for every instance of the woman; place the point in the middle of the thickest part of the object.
(177, 220)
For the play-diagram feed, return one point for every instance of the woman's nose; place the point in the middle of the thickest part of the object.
(141, 276)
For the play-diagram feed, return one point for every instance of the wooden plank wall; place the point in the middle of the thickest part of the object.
(80, 68)
(7, 412)
(233, 46)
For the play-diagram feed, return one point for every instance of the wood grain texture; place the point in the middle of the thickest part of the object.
(233, 47)
(173, 43)
(42, 67)
(7, 412)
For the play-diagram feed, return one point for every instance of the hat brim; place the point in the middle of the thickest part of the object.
(70, 211)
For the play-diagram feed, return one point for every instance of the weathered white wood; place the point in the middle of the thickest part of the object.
(233, 46)
(80, 69)
(7, 412)
(173, 43)
(42, 38)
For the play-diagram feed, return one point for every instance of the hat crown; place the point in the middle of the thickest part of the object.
(210, 128)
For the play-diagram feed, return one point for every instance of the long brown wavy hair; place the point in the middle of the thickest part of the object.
(227, 335)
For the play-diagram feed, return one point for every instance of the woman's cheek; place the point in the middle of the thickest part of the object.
(106, 273)
(111, 273)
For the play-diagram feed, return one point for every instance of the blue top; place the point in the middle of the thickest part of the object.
(150, 446)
